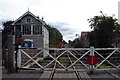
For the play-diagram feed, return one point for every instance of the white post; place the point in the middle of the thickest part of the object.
(31, 29)
(42, 29)
(19, 57)
(43, 33)
(92, 54)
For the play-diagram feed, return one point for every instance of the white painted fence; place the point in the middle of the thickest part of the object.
(78, 55)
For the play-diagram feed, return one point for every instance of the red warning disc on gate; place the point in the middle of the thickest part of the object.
(89, 60)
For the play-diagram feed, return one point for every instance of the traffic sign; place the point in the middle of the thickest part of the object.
(60, 44)
(89, 60)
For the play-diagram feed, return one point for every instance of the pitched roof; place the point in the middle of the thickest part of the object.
(28, 12)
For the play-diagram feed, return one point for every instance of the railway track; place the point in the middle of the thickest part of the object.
(48, 74)
(52, 72)
(79, 75)
(51, 75)
(76, 72)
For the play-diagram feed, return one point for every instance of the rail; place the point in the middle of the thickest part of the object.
(52, 72)
(76, 72)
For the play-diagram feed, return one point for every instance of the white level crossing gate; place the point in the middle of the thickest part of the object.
(56, 58)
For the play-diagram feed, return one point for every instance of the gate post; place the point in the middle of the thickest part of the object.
(11, 56)
(19, 57)
(92, 54)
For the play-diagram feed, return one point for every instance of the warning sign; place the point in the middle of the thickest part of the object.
(92, 58)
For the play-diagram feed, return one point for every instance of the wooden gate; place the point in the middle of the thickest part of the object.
(108, 58)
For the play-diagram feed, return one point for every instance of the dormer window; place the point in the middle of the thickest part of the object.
(29, 20)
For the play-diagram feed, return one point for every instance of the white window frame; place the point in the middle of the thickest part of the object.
(25, 29)
(37, 31)
(29, 20)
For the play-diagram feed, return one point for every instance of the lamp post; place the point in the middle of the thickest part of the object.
(77, 36)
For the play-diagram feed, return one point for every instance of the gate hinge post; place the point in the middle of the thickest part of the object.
(92, 54)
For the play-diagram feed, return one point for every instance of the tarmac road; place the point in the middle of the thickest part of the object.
(35, 75)
(21, 75)
(98, 75)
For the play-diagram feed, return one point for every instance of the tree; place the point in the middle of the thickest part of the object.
(8, 29)
(55, 36)
(76, 43)
(64, 42)
(103, 33)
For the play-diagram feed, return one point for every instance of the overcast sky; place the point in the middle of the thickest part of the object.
(69, 16)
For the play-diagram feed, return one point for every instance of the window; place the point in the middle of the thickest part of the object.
(37, 29)
(29, 20)
(26, 29)
(18, 28)
(18, 31)
(86, 38)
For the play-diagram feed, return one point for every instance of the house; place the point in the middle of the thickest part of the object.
(86, 43)
(31, 27)
(84, 38)
(117, 41)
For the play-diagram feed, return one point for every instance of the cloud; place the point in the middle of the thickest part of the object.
(1, 28)
(68, 16)
(1, 23)
(65, 29)
(62, 26)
